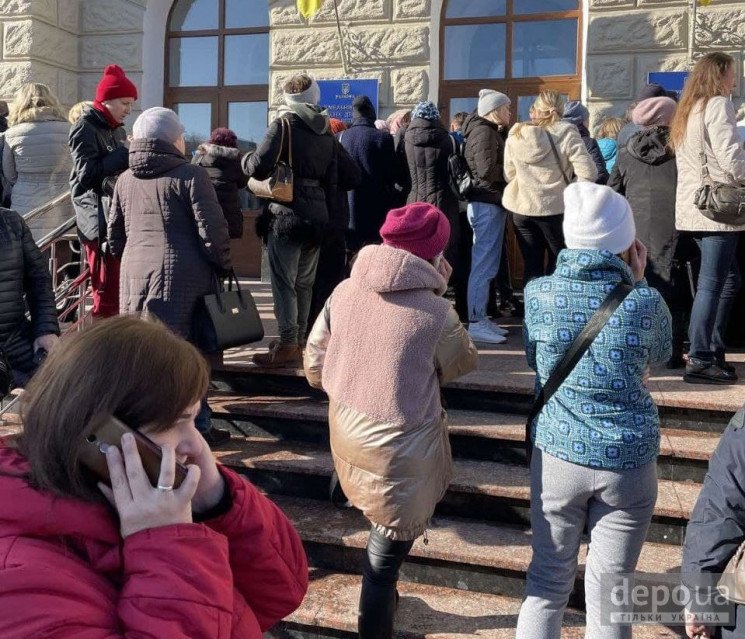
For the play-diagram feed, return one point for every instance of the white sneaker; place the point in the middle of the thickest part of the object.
(483, 332)
(498, 329)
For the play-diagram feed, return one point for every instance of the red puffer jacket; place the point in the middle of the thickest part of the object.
(66, 572)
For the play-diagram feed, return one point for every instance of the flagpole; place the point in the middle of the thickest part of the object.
(341, 41)
(692, 36)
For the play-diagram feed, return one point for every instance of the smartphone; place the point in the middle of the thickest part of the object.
(107, 429)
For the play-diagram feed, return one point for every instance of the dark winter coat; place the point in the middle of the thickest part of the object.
(24, 280)
(370, 202)
(428, 147)
(223, 165)
(484, 154)
(314, 161)
(99, 155)
(167, 227)
(717, 524)
(349, 176)
(646, 174)
(593, 149)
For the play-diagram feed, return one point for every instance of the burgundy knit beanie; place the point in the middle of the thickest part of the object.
(115, 84)
(420, 228)
(654, 112)
(223, 136)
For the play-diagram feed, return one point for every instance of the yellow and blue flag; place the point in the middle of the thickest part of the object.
(308, 7)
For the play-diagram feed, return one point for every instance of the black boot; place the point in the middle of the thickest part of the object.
(700, 371)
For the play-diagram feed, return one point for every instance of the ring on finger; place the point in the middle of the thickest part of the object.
(165, 488)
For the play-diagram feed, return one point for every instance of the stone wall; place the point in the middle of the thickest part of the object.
(384, 39)
(39, 44)
(629, 38)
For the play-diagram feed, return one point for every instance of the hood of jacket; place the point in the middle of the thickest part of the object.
(475, 120)
(33, 513)
(651, 146)
(314, 116)
(384, 269)
(592, 265)
(423, 132)
(532, 145)
(150, 157)
(608, 147)
(219, 152)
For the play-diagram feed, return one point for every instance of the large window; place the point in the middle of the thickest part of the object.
(217, 67)
(518, 47)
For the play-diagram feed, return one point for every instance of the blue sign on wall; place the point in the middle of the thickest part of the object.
(337, 96)
(669, 80)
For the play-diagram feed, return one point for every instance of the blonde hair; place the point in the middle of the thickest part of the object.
(610, 127)
(704, 83)
(547, 109)
(32, 101)
(76, 111)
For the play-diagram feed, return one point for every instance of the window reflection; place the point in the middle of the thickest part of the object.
(243, 14)
(247, 59)
(475, 51)
(463, 104)
(476, 8)
(195, 15)
(547, 47)
(249, 121)
(197, 120)
(193, 62)
(544, 6)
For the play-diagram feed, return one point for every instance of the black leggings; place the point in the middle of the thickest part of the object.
(536, 235)
(380, 568)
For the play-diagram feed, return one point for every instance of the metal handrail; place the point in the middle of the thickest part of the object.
(40, 210)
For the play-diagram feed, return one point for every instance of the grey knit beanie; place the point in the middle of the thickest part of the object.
(489, 99)
(160, 123)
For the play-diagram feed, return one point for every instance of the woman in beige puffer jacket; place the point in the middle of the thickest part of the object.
(706, 95)
(536, 180)
(36, 160)
(381, 348)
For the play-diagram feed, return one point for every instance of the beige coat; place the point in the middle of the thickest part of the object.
(384, 344)
(535, 184)
(725, 159)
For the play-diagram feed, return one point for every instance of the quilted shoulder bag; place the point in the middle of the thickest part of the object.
(278, 186)
(720, 202)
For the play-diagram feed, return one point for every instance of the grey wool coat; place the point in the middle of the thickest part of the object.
(169, 230)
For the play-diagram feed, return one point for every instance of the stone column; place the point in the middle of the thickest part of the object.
(384, 39)
(39, 44)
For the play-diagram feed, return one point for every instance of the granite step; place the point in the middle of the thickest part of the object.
(459, 553)
(478, 435)
(488, 491)
(424, 612)
(708, 408)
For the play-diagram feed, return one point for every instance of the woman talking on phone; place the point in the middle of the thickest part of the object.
(210, 558)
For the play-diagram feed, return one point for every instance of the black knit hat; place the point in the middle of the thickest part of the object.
(362, 107)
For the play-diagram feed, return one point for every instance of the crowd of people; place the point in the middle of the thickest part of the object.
(377, 234)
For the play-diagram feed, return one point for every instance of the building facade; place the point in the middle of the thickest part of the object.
(224, 61)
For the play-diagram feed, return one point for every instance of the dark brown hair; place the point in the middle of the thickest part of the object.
(298, 83)
(133, 368)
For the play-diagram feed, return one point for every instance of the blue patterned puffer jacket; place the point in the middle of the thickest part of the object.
(602, 416)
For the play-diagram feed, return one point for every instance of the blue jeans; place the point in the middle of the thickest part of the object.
(487, 222)
(718, 283)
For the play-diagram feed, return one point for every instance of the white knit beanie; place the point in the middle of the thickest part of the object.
(489, 99)
(596, 217)
(160, 123)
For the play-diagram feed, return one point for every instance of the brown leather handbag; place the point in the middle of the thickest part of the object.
(732, 582)
(278, 186)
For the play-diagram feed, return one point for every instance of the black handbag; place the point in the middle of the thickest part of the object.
(573, 355)
(459, 173)
(721, 203)
(229, 319)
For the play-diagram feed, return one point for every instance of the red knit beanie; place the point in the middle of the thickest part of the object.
(420, 228)
(115, 84)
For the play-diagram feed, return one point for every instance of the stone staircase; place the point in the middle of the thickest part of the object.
(468, 579)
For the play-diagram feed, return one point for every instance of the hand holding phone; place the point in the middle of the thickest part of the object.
(140, 506)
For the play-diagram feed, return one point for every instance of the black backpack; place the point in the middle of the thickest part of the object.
(461, 178)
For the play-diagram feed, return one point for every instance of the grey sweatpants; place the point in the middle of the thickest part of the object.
(617, 508)
(293, 271)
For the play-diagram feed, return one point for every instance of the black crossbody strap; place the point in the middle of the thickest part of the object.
(558, 159)
(577, 350)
